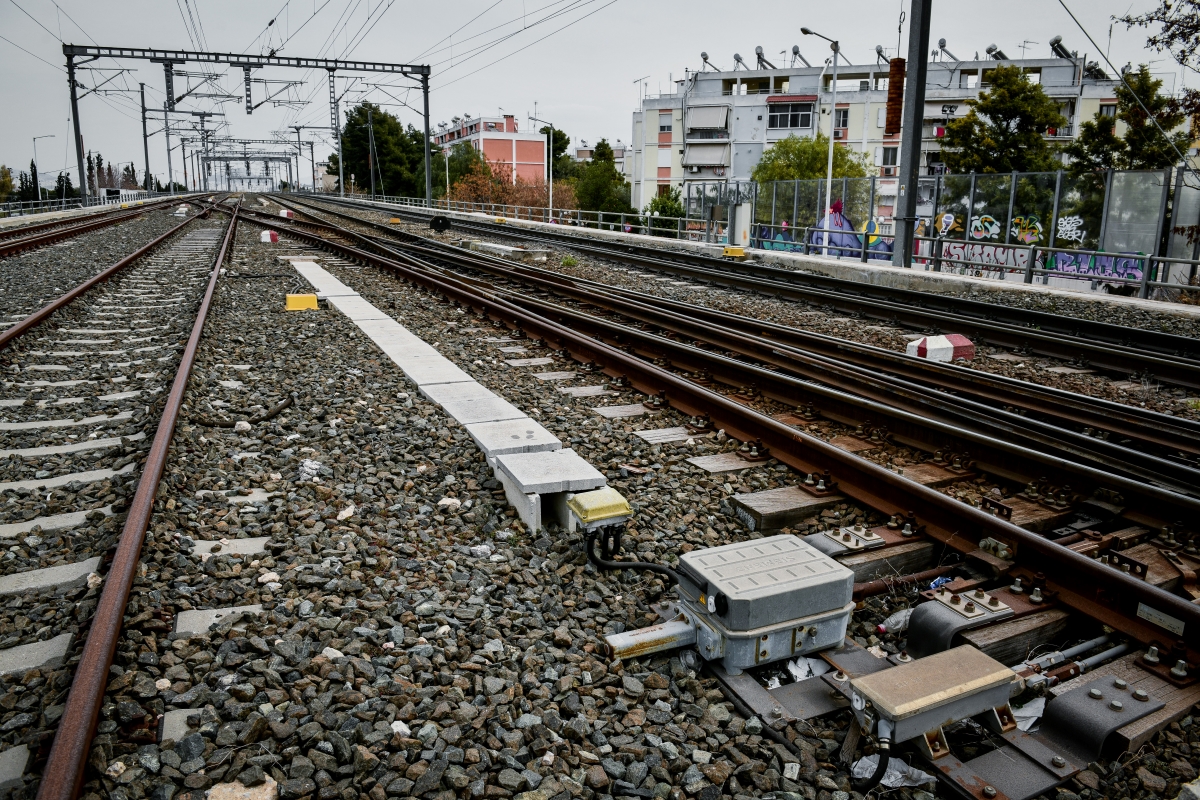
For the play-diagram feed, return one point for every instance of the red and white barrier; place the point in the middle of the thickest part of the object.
(287, 214)
(269, 237)
(953, 347)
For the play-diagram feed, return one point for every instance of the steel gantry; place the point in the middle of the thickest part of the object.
(248, 62)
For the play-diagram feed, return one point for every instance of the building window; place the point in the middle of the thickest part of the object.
(790, 115)
(664, 123)
(841, 118)
(1108, 110)
(968, 80)
(889, 156)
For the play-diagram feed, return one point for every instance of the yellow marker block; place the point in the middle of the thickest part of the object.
(501, 220)
(124, 205)
(394, 220)
(301, 302)
(599, 505)
(734, 252)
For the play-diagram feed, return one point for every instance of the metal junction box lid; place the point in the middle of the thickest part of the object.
(933, 681)
(767, 581)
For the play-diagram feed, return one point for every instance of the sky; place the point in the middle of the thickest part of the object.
(581, 64)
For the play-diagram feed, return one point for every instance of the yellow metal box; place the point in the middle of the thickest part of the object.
(599, 506)
(301, 302)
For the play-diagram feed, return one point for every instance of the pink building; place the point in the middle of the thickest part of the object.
(502, 145)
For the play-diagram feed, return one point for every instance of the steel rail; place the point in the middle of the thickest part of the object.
(13, 246)
(62, 777)
(1097, 590)
(23, 230)
(1166, 432)
(39, 316)
(1121, 350)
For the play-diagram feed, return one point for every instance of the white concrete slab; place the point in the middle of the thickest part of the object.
(63, 423)
(12, 766)
(721, 462)
(428, 372)
(200, 621)
(529, 362)
(53, 522)
(174, 724)
(49, 577)
(35, 655)
(91, 476)
(470, 402)
(239, 547)
(554, 376)
(664, 435)
(357, 309)
(586, 391)
(59, 449)
(621, 412)
(512, 436)
(549, 472)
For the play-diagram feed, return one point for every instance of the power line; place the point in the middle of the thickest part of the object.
(40, 25)
(456, 30)
(39, 58)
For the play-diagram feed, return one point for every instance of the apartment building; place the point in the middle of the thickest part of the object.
(583, 152)
(502, 143)
(715, 125)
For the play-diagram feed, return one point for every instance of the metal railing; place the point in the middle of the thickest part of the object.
(17, 208)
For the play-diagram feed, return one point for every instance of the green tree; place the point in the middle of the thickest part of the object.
(1097, 147)
(565, 167)
(600, 187)
(1178, 32)
(63, 188)
(400, 167)
(1004, 130)
(6, 183)
(794, 158)
(26, 192)
(668, 204)
(1146, 147)
(463, 160)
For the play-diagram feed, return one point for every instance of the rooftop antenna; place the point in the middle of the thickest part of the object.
(996, 53)
(942, 47)
(737, 59)
(1024, 44)
(879, 56)
(796, 55)
(758, 51)
(707, 63)
(1056, 46)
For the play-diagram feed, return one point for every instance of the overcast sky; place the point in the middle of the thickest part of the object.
(579, 60)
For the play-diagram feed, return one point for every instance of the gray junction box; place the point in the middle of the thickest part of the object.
(765, 600)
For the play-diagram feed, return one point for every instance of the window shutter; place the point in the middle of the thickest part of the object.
(881, 117)
(879, 156)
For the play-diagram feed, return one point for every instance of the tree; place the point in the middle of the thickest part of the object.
(400, 167)
(6, 183)
(794, 159)
(63, 188)
(91, 175)
(667, 204)
(1004, 129)
(129, 177)
(600, 187)
(34, 179)
(464, 159)
(101, 181)
(1177, 31)
(564, 165)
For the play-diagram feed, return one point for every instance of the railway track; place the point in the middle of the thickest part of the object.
(86, 419)
(29, 237)
(1082, 582)
(996, 425)
(1115, 349)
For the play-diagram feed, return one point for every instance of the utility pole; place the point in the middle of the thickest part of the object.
(550, 160)
(145, 138)
(83, 187)
(335, 123)
(428, 175)
(910, 133)
(371, 150)
(167, 136)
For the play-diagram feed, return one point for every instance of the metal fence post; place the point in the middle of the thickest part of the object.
(1012, 196)
(970, 210)
(1104, 210)
(870, 218)
(1054, 212)
(1150, 259)
(1029, 264)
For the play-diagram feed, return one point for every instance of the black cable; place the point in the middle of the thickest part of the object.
(602, 563)
(884, 752)
(274, 412)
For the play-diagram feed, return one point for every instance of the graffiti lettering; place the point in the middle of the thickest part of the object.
(1115, 266)
(1070, 229)
(987, 255)
(985, 227)
(946, 224)
(1027, 230)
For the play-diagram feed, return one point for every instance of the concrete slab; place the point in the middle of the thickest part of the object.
(54, 522)
(554, 376)
(780, 508)
(49, 577)
(13, 762)
(621, 412)
(587, 391)
(721, 462)
(664, 435)
(549, 472)
(64, 423)
(91, 476)
(529, 362)
(469, 402)
(513, 350)
(512, 436)
(241, 547)
(200, 621)
(50, 653)
(58, 449)
(356, 308)
(429, 371)
(174, 724)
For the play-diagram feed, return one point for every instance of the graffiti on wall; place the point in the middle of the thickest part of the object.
(991, 255)
(947, 223)
(985, 227)
(1070, 229)
(1027, 229)
(1115, 266)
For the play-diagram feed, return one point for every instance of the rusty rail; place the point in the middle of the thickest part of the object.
(15, 243)
(41, 314)
(1094, 589)
(62, 777)
(23, 230)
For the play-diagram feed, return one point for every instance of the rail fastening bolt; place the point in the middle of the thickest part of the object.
(1180, 669)
(1151, 656)
(1058, 761)
(1095, 694)
(989, 791)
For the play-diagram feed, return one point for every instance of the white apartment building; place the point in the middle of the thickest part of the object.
(715, 125)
